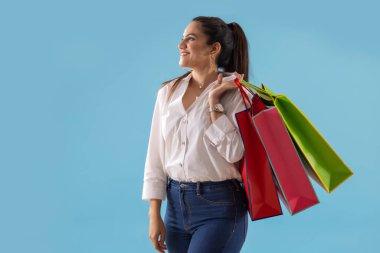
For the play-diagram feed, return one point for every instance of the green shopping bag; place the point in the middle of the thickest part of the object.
(321, 162)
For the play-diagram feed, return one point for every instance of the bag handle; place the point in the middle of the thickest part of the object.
(263, 92)
(244, 95)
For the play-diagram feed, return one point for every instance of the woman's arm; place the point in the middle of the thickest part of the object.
(154, 188)
(155, 178)
(156, 226)
(223, 133)
(155, 207)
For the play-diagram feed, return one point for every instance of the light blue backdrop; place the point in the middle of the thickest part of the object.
(77, 88)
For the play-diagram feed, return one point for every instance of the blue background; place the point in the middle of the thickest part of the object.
(77, 88)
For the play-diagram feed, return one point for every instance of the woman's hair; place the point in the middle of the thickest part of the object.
(234, 47)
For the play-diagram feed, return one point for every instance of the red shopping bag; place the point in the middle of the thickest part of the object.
(292, 183)
(255, 169)
(294, 186)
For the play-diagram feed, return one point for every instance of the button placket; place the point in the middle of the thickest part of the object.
(183, 138)
(184, 135)
(185, 118)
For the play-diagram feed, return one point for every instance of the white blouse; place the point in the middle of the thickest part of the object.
(186, 145)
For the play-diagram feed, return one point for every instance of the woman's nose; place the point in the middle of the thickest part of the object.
(181, 45)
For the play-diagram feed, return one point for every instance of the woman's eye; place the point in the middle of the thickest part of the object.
(188, 38)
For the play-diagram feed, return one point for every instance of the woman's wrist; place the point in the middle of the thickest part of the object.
(154, 215)
(215, 115)
(213, 101)
(155, 207)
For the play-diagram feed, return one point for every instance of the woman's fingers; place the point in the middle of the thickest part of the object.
(157, 244)
(219, 89)
(239, 76)
(157, 234)
(162, 240)
(220, 78)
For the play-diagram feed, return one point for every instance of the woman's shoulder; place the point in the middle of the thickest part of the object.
(168, 84)
(247, 91)
(165, 87)
(234, 99)
(164, 90)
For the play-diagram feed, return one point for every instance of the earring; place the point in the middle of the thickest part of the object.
(212, 64)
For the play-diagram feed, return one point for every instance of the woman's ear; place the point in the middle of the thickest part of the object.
(216, 48)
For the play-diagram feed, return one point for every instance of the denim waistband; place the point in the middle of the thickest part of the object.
(184, 185)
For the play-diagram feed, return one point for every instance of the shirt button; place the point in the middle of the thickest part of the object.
(185, 120)
(183, 143)
(180, 164)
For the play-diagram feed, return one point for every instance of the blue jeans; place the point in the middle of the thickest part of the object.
(205, 217)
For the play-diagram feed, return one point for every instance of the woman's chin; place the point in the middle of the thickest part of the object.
(184, 65)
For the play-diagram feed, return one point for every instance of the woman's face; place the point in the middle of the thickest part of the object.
(194, 52)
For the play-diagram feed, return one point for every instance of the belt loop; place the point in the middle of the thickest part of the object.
(236, 184)
(198, 190)
(168, 182)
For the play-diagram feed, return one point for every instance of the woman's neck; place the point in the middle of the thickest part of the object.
(203, 78)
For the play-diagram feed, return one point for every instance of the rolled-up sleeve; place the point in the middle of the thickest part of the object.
(155, 178)
(224, 133)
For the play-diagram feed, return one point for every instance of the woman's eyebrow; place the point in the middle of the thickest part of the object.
(190, 34)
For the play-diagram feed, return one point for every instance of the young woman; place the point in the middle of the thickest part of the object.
(195, 145)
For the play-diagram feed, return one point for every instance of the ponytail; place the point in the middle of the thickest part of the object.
(239, 61)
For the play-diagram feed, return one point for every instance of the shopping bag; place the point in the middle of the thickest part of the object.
(293, 185)
(322, 163)
(256, 174)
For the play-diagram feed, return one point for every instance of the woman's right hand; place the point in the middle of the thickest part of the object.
(157, 232)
